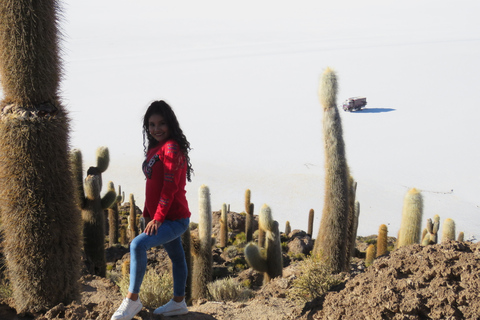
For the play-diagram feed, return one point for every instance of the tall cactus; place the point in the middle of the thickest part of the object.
(271, 263)
(203, 264)
(40, 223)
(448, 230)
(223, 227)
(92, 206)
(410, 227)
(331, 241)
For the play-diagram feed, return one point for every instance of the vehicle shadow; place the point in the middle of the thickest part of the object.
(375, 110)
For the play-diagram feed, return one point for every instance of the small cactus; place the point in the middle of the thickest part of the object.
(370, 255)
(311, 215)
(429, 235)
(249, 217)
(92, 207)
(448, 230)
(382, 242)
(410, 227)
(113, 233)
(269, 263)
(132, 220)
(288, 229)
(223, 227)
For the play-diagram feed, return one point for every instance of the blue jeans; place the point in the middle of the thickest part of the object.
(167, 235)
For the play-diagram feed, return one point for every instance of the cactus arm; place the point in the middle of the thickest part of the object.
(108, 199)
(436, 224)
(265, 218)
(118, 197)
(255, 259)
(103, 159)
(429, 225)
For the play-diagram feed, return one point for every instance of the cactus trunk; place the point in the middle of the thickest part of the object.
(40, 222)
(203, 265)
(330, 244)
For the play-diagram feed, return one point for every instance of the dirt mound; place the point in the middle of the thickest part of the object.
(434, 282)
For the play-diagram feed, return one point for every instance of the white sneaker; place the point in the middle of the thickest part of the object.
(172, 308)
(127, 310)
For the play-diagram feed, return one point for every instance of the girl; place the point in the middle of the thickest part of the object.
(167, 167)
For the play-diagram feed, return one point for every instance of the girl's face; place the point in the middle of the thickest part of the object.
(158, 128)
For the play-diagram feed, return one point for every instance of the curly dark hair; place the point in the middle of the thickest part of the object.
(162, 108)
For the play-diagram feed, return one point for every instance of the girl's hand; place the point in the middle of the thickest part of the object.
(152, 227)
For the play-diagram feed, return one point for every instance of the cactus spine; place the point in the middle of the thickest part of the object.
(382, 241)
(223, 227)
(40, 223)
(271, 264)
(311, 215)
(203, 265)
(92, 206)
(330, 244)
(410, 227)
(448, 230)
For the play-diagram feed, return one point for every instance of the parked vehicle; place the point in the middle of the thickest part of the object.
(355, 103)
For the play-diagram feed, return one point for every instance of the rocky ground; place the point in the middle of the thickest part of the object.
(439, 281)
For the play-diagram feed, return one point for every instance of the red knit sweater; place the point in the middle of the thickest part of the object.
(166, 170)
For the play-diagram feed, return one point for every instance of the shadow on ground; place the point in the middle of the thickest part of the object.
(375, 110)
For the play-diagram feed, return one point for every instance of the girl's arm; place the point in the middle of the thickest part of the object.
(172, 162)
